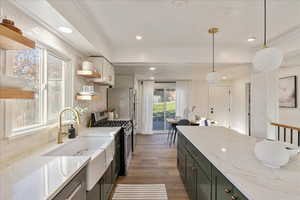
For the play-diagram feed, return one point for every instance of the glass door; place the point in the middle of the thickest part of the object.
(164, 107)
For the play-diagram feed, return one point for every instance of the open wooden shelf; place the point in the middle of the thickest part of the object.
(8, 93)
(87, 97)
(11, 40)
(100, 82)
(88, 74)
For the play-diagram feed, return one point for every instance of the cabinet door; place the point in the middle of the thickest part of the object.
(95, 193)
(181, 163)
(204, 187)
(75, 190)
(118, 153)
(237, 195)
(224, 189)
(190, 177)
(103, 193)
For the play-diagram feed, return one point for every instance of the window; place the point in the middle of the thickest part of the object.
(25, 64)
(55, 86)
(44, 71)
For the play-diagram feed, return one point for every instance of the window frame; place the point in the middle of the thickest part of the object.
(43, 104)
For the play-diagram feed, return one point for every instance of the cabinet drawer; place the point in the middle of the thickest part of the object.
(75, 189)
(238, 195)
(223, 187)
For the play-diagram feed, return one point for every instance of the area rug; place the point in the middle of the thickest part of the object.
(140, 192)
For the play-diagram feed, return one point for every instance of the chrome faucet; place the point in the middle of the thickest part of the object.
(60, 132)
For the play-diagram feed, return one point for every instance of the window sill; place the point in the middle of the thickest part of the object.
(35, 130)
(30, 131)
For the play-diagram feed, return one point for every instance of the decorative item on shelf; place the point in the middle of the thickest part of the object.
(11, 25)
(11, 38)
(213, 77)
(87, 90)
(267, 59)
(88, 66)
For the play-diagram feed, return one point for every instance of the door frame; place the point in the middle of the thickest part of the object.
(248, 108)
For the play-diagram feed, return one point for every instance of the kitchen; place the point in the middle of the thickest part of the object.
(121, 83)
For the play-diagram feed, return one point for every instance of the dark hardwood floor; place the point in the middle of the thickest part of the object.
(154, 162)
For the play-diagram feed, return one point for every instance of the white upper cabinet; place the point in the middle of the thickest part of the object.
(106, 70)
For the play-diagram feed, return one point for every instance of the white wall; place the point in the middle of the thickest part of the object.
(19, 146)
(199, 97)
(124, 81)
(291, 116)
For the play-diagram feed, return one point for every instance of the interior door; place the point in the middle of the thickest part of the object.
(219, 105)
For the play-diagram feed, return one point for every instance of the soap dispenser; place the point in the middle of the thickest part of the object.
(72, 132)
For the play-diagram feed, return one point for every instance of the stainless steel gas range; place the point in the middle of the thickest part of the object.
(99, 119)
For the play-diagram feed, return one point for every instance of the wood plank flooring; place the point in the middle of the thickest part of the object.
(154, 162)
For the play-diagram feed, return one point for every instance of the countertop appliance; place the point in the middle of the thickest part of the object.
(99, 119)
(123, 102)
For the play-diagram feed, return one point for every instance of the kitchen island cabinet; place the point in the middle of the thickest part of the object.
(201, 179)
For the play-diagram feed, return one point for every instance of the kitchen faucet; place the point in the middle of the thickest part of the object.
(60, 132)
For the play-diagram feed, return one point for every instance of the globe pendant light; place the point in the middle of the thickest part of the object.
(267, 59)
(213, 77)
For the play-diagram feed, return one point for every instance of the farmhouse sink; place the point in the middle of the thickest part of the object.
(99, 149)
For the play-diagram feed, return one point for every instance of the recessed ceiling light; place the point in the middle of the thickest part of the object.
(64, 29)
(151, 78)
(224, 77)
(152, 68)
(179, 3)
(251, 39)
(138, 37)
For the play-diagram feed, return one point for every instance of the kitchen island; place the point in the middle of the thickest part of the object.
(218, 163)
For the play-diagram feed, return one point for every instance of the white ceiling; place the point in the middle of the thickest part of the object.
(164, 25)
(175, 37)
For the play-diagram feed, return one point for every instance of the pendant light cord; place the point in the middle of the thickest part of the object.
(213, 40)
(265, 23)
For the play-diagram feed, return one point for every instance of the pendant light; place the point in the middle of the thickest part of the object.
(213, 77)
(267, 59)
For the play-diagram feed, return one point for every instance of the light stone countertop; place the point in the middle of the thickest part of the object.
(233, 155)
(38, 177)
(100, 131)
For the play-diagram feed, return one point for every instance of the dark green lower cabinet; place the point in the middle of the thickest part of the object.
(191, 178)
(201, 179)
(204, 187)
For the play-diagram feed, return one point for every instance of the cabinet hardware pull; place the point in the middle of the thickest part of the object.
(74, 192)
(234, 197)
(227, 190)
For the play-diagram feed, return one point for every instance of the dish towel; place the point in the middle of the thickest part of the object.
(140, 192)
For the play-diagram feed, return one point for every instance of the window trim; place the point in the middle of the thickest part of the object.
(9, 133)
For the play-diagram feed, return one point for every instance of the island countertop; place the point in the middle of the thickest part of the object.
(233, 155)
